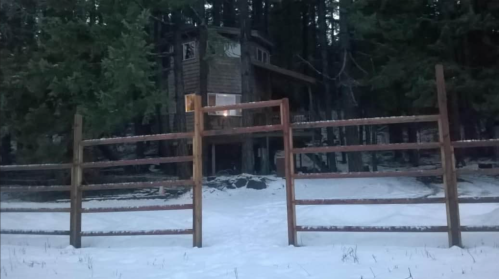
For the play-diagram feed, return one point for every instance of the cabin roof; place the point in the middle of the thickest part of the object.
(284, 72)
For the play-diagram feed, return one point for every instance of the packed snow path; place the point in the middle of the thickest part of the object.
(245, 236)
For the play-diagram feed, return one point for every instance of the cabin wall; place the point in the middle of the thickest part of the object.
(224, 76)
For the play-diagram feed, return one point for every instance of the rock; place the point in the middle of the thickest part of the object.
(257, 185)
(211, 178)
(484, 166)
(241, 182)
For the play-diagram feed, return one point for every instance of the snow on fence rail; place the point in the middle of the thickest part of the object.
(35, 232)
(370, 201)
(132, 139)
(372, 228)
(35, 167)
(18, 189)
(366, 121)
(130, 233)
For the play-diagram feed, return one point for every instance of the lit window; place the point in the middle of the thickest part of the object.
(217, 99)
(188, 50)
(189, 102)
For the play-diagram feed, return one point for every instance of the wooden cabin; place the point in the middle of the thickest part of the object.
(224, 88)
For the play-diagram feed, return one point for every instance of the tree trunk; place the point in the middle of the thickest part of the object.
(412, 135)
(162, 117)
(248, 159)
(6, 150)
(257, 14)
(448, 10)
(203, 73)
(346, 83)
(374, 140)
(396, 134)
(321, 5)
(229, 13)
(180, 121)
(139, 131)
(305, 38)
(266, 14)
(215, 12)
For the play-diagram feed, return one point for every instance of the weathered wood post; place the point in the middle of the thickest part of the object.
(448, 166)
(76, 178)
(289, 170)
(197, 171)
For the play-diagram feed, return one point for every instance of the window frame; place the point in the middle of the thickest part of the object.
(264, 55)
(226, 113)
(191, 104)
(193, 50)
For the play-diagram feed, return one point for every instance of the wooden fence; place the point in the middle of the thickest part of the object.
(447, 170)
(76, 188)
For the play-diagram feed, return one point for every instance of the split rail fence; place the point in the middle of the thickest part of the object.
(447, 170)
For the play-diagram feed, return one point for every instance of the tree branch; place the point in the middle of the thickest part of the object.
(320, 72)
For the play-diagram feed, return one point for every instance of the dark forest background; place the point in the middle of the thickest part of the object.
(108, 60)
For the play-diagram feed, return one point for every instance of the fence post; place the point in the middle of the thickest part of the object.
(197, 172)
(448, 166)
(289, 170)
(76, 177)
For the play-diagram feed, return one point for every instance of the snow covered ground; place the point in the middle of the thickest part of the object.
(245, 236)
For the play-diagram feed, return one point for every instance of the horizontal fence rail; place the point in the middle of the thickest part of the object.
(36, 210)
(372, 228)
(130, 233)
(373, 147)
(475, 143)
(480, 228)
(365, 121)
(491, 171)
(136, 185)
(370, 201)
(132, 139)
(35, 167)
(254, 105)
(479, 200)
(35, 232)
(20, 189)
(136, 162)
(243, 130)
(409, 173)
(138, 208)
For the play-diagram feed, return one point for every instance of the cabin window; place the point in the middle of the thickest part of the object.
(218, 99)
(189, 102)
(188, 50)
(262, 55)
